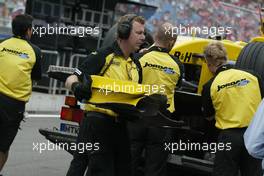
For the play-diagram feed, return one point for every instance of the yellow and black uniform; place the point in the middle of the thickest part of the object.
(110, 63)
(100, 125)
(162, 72)
(232, 96)
(19, 64)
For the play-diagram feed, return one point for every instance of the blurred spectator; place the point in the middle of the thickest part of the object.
(9, 9)
(238, 14)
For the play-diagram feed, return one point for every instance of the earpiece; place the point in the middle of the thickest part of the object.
(124, 29)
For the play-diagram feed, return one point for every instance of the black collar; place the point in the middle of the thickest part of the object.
(19, 37)
(160, 49)
(223, 68)
(117, 49)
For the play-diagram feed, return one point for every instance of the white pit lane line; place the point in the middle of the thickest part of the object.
(27, 115)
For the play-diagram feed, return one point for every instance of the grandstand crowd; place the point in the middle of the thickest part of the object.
(241, 15)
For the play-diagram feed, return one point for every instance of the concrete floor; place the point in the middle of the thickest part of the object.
(25, 160)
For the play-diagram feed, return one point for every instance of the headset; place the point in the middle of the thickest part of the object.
(125, 27)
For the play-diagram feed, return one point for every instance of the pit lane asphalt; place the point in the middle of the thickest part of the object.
(24, 160)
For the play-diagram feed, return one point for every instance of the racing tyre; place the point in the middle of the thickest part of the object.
(252, 57)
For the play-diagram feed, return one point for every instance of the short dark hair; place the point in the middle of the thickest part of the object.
(20, 24)
(163, 33)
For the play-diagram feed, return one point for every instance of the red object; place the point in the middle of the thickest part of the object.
(72, 114)
(71, 101)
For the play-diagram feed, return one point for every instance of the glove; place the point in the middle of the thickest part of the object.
(152, 104)
(160, 100)
(82, 91)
